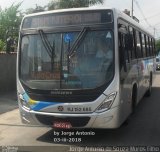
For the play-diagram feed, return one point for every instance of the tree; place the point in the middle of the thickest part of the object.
(60, 4)
(2, 45)
(35, 10)
(10, 19)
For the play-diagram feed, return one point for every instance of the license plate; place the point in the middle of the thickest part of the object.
(62, 125)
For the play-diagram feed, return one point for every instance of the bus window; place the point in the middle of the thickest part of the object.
(149, 46)
(152, 48)
(124, 58)
(138, 50)
(123, 44)
(146, 45)
(143, 45)
(64, 69)
(133, 55)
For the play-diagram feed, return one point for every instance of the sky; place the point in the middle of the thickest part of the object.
(147, 11)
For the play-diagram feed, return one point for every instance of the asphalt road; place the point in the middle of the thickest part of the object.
(142, 129)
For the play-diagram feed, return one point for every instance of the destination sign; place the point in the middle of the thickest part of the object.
(68, 18)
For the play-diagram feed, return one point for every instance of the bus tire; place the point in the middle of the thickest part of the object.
(149, 91)
(134, 98)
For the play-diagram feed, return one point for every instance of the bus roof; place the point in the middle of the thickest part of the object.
(67, 10)
(116, 12)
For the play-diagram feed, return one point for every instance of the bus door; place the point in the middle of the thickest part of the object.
(125, 69)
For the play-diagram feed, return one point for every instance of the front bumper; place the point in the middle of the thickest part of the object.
(107, 119)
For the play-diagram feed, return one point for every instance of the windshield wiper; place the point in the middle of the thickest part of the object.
(50, 49)
(46, 43)
(77, 42)
(53, 56)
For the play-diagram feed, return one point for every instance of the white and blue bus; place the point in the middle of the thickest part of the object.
(82, 68)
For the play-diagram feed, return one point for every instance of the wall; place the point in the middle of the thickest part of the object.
(7, 72)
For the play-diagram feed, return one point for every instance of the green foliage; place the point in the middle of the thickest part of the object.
(10, 19)
(2, 45)
(35, 10)
(60, 4)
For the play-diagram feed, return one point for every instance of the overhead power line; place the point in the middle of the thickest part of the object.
(155, 31)
(157, 24)
(142, 13)
(158, 14)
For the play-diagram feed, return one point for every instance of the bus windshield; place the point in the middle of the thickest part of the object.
(64, 61)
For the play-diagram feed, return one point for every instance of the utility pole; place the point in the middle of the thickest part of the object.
(132, 10)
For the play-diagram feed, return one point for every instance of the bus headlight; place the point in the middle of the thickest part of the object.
(107, 102)
(23, 102)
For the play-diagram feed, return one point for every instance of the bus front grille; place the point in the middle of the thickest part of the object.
(75, 121)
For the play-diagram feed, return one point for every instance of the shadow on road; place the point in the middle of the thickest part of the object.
(8, 101)
(142, 128)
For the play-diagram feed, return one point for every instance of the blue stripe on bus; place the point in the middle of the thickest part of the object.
(38, 104)
(42, 105)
